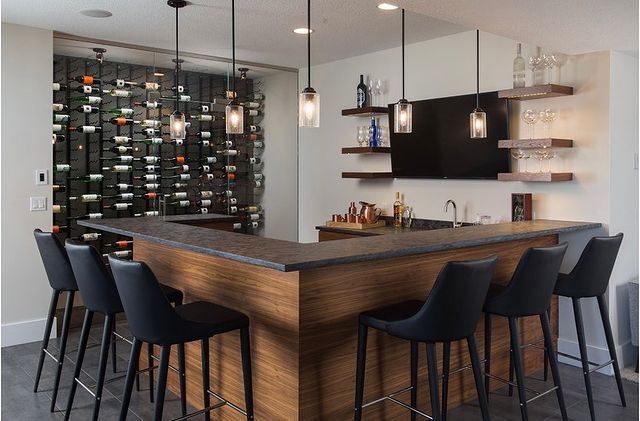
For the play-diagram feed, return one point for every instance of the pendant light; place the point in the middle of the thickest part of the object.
(309, 102)
(478, 118)
(177, 120)
(233, 113)
(403, 110)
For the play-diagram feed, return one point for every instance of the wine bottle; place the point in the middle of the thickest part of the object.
(256, 96)
(93, 215)
(254, 224)
(177, 142)
(253, 113)
(87, 198)
(62, 168)
(89, 178)
(251, 160)
(203, 108)
(519, 69)
(59, 188)
(254, 128)
(150, 159)
(118, 206)
(225, 193)
(121, 244)
(361, 94)
(58, 128)
(252, 208)
(178, 195)
(118, 149)
(150, 86)
(209, 160)
(147, 213)
(123, 159)
(89, 100)
(148, 132)
(57, 228)
(149, 123)
(229, 168)
(258, 144)
(119, 187)
(87, 80)
(151, 168)
(178, 159)
(252, 137)
(121, 112)
(181, 89)
(227, 152)
(182, 176)
(59, 87)
(204, 143)
(149, 186)
(148, 196)
(149, 141)
(201, 135)
(148, 177)
(179, 185)
(120, 93)
(119, 140)
(203, 117)
(61, 118)
(204, 168)
(180, 203)
(87, 109)
(60, 107)
(201, 211)
(225, 143)
(121, 254)
(182, 168)
(122, 121)
(88, 89)
(58, 208)
(120, 196)
(118, 168)
(90, 236)
(87, 129)
(148, 104)
(57, 138)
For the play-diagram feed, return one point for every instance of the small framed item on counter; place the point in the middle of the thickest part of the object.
(521, 207)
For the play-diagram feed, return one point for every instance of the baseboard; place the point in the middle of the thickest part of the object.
(596, 354)
(25, 332)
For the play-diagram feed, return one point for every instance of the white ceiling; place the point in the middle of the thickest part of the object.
(343, 28)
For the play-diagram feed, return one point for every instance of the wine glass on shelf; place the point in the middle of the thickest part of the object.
(550, 155)
(534, 64)
(518, 155)
(363, 136)
(540, 155)
(547, 117)
(549, 61)
(380, 102)
(530, 117)
(371, 91)
(560, 59)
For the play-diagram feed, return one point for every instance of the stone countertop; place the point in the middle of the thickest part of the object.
(417, 225)
(291, 256)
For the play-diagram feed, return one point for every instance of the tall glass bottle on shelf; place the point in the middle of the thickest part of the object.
(519, 69)
(361, 94)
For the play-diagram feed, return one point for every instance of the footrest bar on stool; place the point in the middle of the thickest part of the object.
(500, 379)
(122, 338)
(406, 389)
(466, 367)
(597, 366)
(391, 397)
(200, 412)
(541, 394)
(226, 402)
(172, 368)
(85, 387)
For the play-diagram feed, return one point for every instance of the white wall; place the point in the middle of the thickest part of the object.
(26, 146)
(280, 198)
(446, 67)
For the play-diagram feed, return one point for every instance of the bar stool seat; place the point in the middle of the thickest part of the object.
(173, 295)
(205, 319)
(380, 318)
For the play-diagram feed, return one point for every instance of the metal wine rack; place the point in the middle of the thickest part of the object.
(85, 153)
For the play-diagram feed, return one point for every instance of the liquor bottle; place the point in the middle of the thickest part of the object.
(119, 206)
(121, 112)
(59, 188)
(120, 196)
(180, 203)
(59, 107)
(88, 89)
(57, 228)
(148, 104)
(62, 168)
(121, 244)
(201, 135)
(150, 86)
(59, 87)
(90, 236)
(118, 168)
(89, 100)
(119, 140)
(361, 94)
(227, 152)
(87, 198)
(252, 208)
(87, 129)
(123, 159)
(253, 113)
(203, 117)
(118, 149)
(254, 128)
(119, 187)
(149, 159)
(149, 196)
(87, 80)
(57, 138)
(121, 254)
(397, 211)
(518, 69)
(122, 121)
(149, 141)
(147, 213)
(93, 215)
(120, 93)
(61, 118)
(148, 177)
(58, 128)
(148, 132)
(89, 178)
(58, 208)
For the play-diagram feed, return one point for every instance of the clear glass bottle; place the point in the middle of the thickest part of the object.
(519, 69)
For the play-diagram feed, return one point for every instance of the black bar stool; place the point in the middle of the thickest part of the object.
(590, 278)
(528, 294)
(100, 295)
(450, 313)
(153, 320)
(60, 275)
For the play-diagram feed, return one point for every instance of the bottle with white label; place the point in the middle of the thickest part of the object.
(180, 203)
(252, 208)
(120, 254)
(150, 86)
(149, 159)
(148, 104)
(119, 206)
(256, 96)
(206, 194)
(89, 178)
(209, 160)
(89, 100)
(62, 168)
(154, 124)
(87, 129)
(229, 168)
(119, 93)
(87, 198)
(202, 135)
(87, 89)
(118, 149)
(57, 138)
(93, 215)
(87, 109)
(121, 112)
(149, 141)
(147, 213)
(58, 208)
(90, 236)
(119, 140)
(118, 168)
(253, 113)
(148, 132)
(149, 186)
(228, 152)
(182, 177)
(205, 108)
(148, 177)
(178, 195)
(55, 128)
(251, 104)
(124, 159)
(203, 117)
(120, 196)
(119, 187)
(61, 118)
(59, 87)
(60, 107)
(519, 69)
(183, 168)
(258, 144)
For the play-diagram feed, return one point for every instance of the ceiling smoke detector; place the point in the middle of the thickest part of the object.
(96, 13)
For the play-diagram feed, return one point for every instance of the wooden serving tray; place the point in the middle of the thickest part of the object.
(356, 226)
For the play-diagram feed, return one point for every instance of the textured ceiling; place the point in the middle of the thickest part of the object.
(343, 28)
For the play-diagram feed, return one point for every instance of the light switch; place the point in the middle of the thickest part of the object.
(38, 204)
(42, 177)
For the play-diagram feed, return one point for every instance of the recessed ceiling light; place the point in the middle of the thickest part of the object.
(96, 13)
(302, 31)
(387, 6)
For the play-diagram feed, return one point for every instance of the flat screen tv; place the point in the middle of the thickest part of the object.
(439, 145)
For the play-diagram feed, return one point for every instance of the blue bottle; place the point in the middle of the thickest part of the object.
(373, 132)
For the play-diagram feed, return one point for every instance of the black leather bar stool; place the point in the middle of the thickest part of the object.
(590, 278)
(450, 313)
(100, 295)
(153, 320)
(528, 294)
(60, 275)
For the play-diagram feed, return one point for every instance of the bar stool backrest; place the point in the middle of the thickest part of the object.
(55, 260)
(97, 287)
(531, 286)
(150, 316)
(454, 305)
(591, 274)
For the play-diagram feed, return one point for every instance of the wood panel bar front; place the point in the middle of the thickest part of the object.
(304, 329)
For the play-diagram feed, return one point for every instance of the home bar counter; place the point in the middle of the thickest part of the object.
(303, 301)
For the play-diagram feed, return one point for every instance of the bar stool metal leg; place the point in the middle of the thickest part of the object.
(446, 361)
(161, 387)
(68, 308)
(604, 313)
(414, 378)
(360, 370)
(487, 352)
(107, 334)
(517, 362)
(432, 364)
(131, 373)
(246, 371)
(82, 346)
(577, 312)
(553, 362)
(47, 333)
(183, 379)
(204, 346)
(477, 375)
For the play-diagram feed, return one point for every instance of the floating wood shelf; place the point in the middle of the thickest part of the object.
(367, 175)
(535, 143)
(533, 176)
(365, 111)
(535, 92)
(366, 150)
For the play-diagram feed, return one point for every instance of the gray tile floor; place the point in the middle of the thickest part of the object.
(20, 403)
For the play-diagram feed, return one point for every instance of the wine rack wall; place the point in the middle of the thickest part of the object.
(95, 177)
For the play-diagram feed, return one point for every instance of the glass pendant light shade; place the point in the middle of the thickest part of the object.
(234, 118)
(478, 124)
(177, 126)
(402, 117)
(309, 108)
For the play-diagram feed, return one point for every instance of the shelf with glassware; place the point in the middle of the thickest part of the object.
(366, 150)
(365, 112)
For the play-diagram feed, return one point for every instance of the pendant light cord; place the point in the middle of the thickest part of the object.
(233, 48)
(403, 97)
(309, 42)
(177, 66)
(477, 68)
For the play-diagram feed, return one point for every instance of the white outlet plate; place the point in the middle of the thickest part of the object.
(38, 204)
(42, 177)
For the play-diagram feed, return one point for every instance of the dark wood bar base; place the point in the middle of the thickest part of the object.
(304, 328)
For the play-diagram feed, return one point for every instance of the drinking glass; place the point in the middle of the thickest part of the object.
(485, 219)
(530, 117)
(547, 117)
(380, 102)
(540, 155)
(534, 64)
(407, 217)
(363, 135)
(371, 91)
(518, 155)
(550, 155)
(560, 60)
(548, 61)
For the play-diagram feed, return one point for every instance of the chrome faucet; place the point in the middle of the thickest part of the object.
(456, 224)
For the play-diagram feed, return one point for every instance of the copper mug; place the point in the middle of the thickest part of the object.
(336, 217)
(351, 218)
(369, 213)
